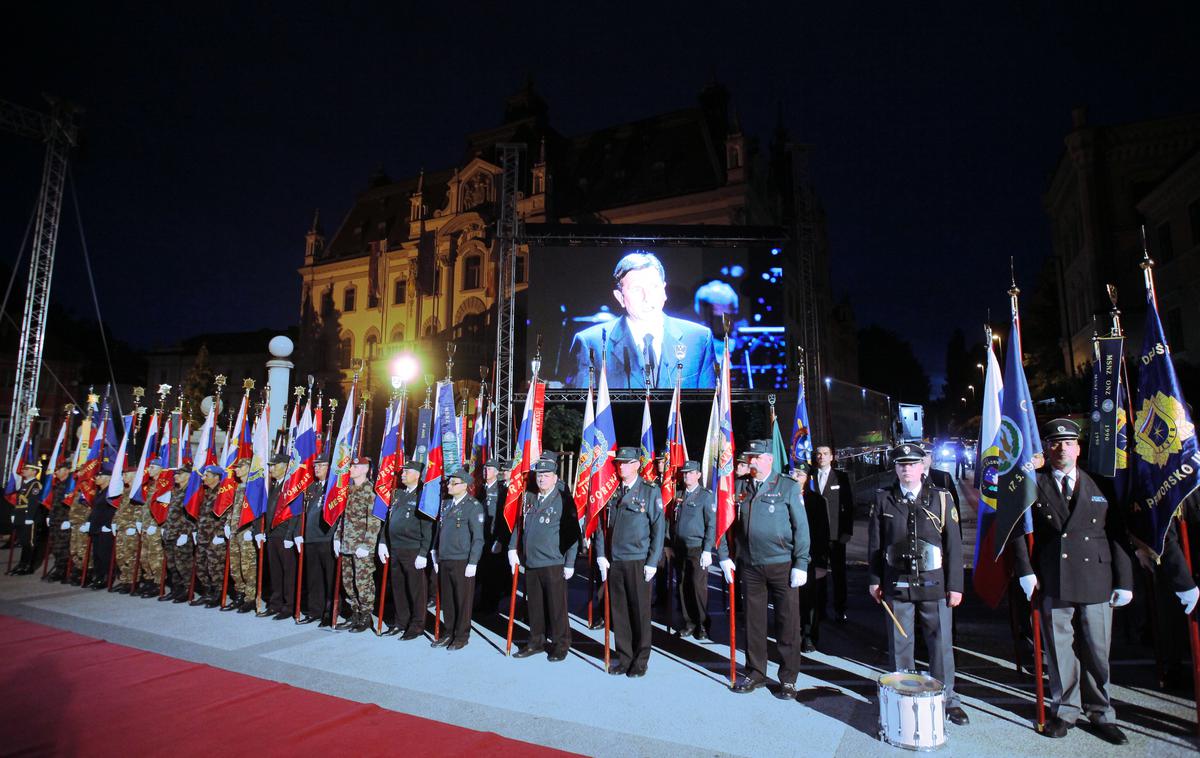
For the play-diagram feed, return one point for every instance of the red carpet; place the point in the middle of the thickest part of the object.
(67, 694)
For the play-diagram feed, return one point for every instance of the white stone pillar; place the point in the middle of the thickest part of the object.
(279, 374)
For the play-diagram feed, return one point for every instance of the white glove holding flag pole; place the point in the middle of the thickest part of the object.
(727, 570)
(513, 560)
(470, 572)
(705, 559)
(195, 538)
(433, 557)
(84, 529)
(361, 552)
(649, 572)
(152, 529)
(66, 525)
(568, 572)
(137, 525)
(227, 533)
(247, 536)
(420, 563)
(28, 522)
(181, 541)
(797, 578)
(1028, 585)
(260, 538)
(218, 540)
(602, 564)
(130, 531)
(108, 529)
(337, 546)
(382, 550)
(1121, 597)
(287, 544)
(299, 541)
(1189, 598)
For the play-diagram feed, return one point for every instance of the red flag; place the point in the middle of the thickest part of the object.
(529, 448)
(604, 446)
(724, 472)
(676, 453)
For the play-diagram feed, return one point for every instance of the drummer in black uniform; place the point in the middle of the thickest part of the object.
(914, 559)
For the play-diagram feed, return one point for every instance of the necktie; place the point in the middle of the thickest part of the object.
(1066, 489)
(648, 352)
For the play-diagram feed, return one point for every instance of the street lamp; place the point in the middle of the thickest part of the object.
(405, 368)
(972, 388)
(982, 371)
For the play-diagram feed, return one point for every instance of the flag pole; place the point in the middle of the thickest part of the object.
(725, 536)
(588, 496)
(263, 415)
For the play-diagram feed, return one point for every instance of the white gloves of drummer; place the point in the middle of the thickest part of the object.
(649, 572)
(181, 541)
(1189, 598)
(705, 559)
(797, 578)
(568, 572)
(603, 564)
(470, 572)
(420, 563)
(727, 570)
(513, 560)
(1120, 597)
(66, 525)
(1028, 585)
(382, 550)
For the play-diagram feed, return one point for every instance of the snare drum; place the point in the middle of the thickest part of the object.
(911, 711)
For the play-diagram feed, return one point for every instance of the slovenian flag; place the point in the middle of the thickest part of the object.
(116, 485)
(48, 484)
(85, 476)
(725, 454)
(300, 468)
(337, 484)
(136, 493)
(583, 473)
(528, 450)
(676, 452)
(229, 456)
(193, 496)
(604, 447)
(646, 468)
(258, 481)
(24, 455)
(481, 441)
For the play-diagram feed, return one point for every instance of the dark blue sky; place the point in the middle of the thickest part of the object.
(210, 139)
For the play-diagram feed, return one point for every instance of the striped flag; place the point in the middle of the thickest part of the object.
(1018, 442)
(646, 469)
(193, 495)
(390, 458)
(604, 447)
(676, 452)
(48, 486)
(337, 484)
(583, 471)
(443, 441)
(528, 449)
(725, 453)
(258, 481)
(300, 468)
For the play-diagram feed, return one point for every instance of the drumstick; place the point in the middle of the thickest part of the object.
(895, 620)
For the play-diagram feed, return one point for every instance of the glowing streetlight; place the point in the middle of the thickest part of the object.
(405, 368)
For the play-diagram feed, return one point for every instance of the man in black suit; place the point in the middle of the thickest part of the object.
(835, 487)
(1081, 567)
(644, 338)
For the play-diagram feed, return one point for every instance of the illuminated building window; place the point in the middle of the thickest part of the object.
(472, 266)
(348, 300)
(400, 292)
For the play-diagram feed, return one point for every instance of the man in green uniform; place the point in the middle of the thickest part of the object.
(460, 545)
(405, 542)
(693, 526)
(177, 538)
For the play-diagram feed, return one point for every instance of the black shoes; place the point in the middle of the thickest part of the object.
(362, 622)
(457, 645)
(1056, 727)
(412, 634)
(281, 615)
(686, 631)
(307, 619)
(618, 670)
(808, 646)
(635, 672)
(786, 691)
(392, 631)
(264, 613)
(556, 657)
(349, 623)
(957, 716)
(122, 588)
(1110, 733)
(526, 652)
(441, 641)
(700, 633)
(746, 684)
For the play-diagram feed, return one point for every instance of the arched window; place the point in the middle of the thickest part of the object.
(398, 333)
(472, 266)
(348, 299)
(432, 327)
(345, 350)
(371, 346)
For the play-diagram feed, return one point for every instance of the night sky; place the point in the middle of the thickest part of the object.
(209, 140)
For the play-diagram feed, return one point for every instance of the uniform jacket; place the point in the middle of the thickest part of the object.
(360, 528)
(460, 530)
(495, 527)
(1080, 552)
(890, 523)
(694, 521)
(549, 533)
(178, 522)
(233, 516)
(839, 503)
(634, 525)
(407, 528)
(771, 526)
(817, 512)
(315, 528)
(289, 527)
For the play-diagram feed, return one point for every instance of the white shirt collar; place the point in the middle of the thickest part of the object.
(1071, 476)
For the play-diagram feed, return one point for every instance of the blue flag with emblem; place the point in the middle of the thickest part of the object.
(1017, 442)
(1162, 439)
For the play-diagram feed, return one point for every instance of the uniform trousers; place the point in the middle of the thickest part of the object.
(1078, 684)
(836, 578)
(546, 598)
(693, 587)
(409, 591)
(319, 567)
(630, 605)
(358, 582)
(760, 584)
(281, 569)
(458, 592)
(935, 619)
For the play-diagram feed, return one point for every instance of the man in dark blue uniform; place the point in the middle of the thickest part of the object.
(629, 546)
(693, 527)
(319, 562)
(771, 549)
(405, 541)
(1082, 570)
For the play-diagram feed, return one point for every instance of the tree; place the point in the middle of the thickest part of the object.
(563, 428)
(886, 363)
(196, 386)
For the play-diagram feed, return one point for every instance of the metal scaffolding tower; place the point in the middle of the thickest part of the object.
(57, 129)
(810, 331)
(508, 235)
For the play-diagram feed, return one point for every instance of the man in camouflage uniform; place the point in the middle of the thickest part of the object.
(210, 543)
(177, 539)
(77, 514)
(359, 537)
(243, 544)
(125, 534)
(150, 565)
(60, 524)
(26, 512)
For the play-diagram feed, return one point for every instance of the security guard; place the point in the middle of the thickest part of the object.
(281, 535)
(630, 544)
(914, 562)
(460, 545)
(405, 541)
(693, 526)
(771, 543)
(1082, 569)
(835, 486)
(548, 541)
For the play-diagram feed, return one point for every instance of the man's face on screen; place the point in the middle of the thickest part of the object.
(642, 293)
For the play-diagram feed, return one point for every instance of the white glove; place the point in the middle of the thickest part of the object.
(705, 559)
(361, 552)
(568, 572)
(138, 525)
(420, 563)
(260, 538)
(602, 564)
(337, 546)
(470, 572)
(108, 530)
(797, 578)
(649, 572)
(1121, 597)
(28, 522)
(130, 532)
(727, 570)
(152, 529)
(195, 538)
(383, 553)
(247, 536)
(433, 559)
(1028, 585)
(1188, 598)
(218, 540)
(84, 529)
(67, 525)
(288, 544)
(495, 547)
(181, 541)
(513, 560)
(299, 541)
(227, 533)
